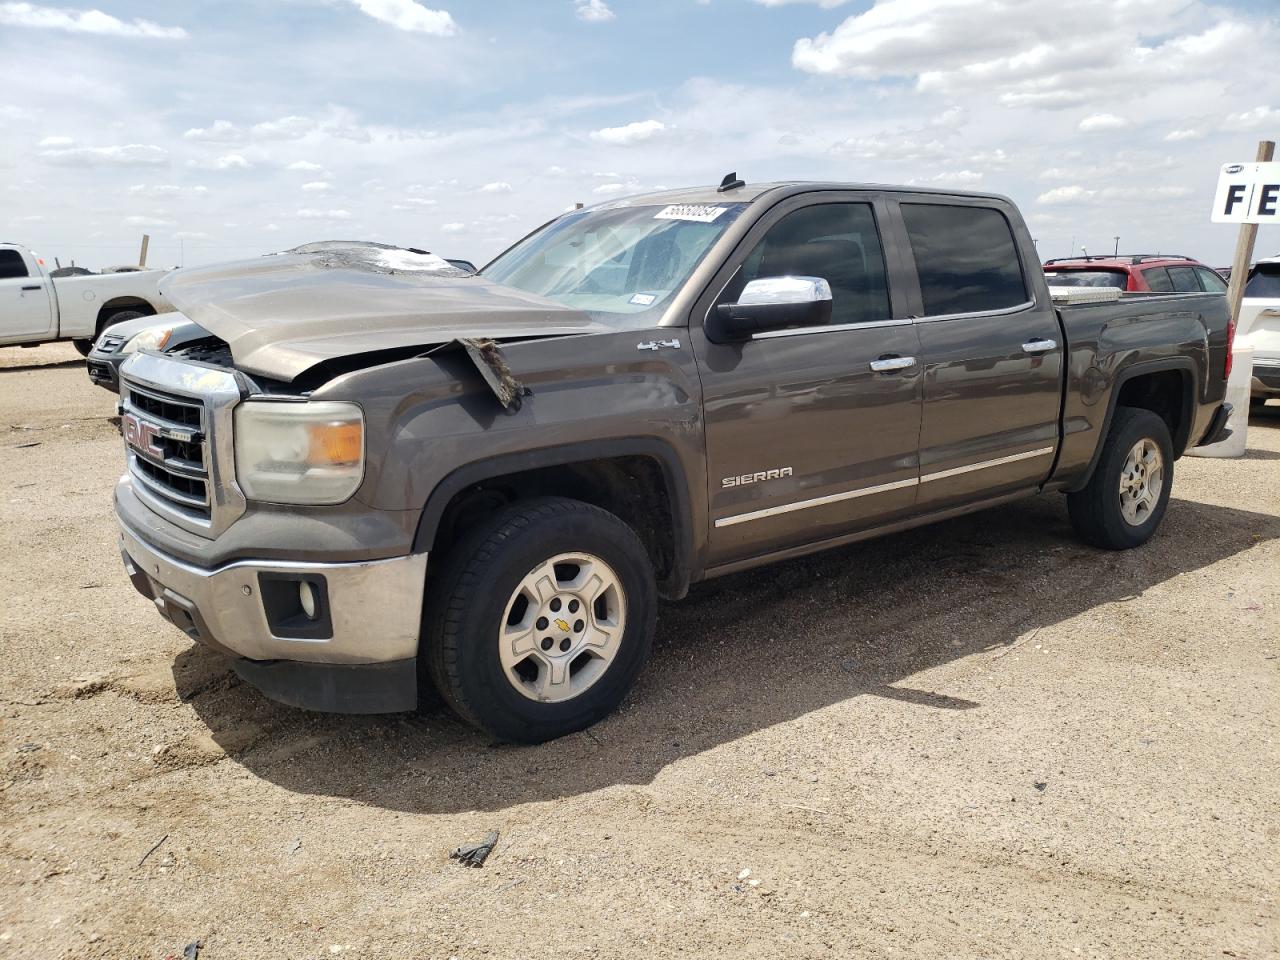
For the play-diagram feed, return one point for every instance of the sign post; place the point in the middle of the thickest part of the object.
(1248, 194)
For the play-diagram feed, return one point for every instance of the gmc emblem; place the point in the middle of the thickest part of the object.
(142, 435)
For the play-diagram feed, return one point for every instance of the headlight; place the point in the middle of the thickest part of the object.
(311, 452)
(152, 338)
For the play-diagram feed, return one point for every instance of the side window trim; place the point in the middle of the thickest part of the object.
(980, 314)
(889, 248)
(909, 260)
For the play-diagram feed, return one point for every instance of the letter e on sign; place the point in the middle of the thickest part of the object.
(1247, 193)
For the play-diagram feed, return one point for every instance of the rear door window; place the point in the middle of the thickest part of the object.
(1211, 280)
(965, 257)
(1158, 279)
(1265, 282)
(11, 265)
(1184, 280)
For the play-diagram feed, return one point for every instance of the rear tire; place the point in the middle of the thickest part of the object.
(82, 346)
(1126, 497)
(540, 620)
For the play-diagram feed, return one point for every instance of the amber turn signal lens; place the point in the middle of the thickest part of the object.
(336, 444)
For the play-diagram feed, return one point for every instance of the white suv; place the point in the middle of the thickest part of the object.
(1259, 327)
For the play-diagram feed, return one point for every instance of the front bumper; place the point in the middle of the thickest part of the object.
(105, 370)
(359, 653)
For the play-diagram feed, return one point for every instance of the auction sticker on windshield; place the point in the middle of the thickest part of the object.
(689, 211)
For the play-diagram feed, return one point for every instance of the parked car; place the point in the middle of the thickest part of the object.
(1143, 273)
(119, 341)
(369, 481)
(36, 307)
(172, 331)
(1260, 328)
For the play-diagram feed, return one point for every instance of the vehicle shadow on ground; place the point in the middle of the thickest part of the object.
(738, 655)
(42, 365)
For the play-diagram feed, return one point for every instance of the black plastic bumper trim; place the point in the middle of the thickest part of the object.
(390, 687)
(1218, 429)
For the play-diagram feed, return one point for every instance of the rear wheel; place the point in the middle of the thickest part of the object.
(541, 620)
(1128, 494)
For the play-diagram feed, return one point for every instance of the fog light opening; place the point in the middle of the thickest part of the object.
(307, 597)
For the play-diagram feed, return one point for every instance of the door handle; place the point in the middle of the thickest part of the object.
(1038, 346)
(33, 287)
(889, 364)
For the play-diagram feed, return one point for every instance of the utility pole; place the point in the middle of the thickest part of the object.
(142, 257)
(1117, 253)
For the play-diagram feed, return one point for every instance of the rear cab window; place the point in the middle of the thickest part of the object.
(12, 266)
(1265, 282)
(1087, 278)
(966, 258)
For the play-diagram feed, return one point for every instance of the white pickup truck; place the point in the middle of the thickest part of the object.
(36, 308)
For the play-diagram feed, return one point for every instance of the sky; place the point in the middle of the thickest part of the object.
(231, 129)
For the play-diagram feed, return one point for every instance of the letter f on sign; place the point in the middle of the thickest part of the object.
(1235, 195)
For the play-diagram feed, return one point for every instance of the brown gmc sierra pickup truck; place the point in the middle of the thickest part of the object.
(378, 473)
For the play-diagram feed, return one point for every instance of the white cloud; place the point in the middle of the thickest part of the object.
(160, 190)
(499, 186)
(410, 16)
(317, 186)
(611, 189)
(1072, 194)
(1018, 50)
(825, 4)
(146, 222)
(1102, 121)
(220, 131)
(56, 142)
(409, 203)
(1185, 133)
(83, 21)
(230, 161)
(1253, 119)
(223, 131)
(130, 154)
(594, 11)
(308, 213)
(951, 178)
(453, 228)
(191, 235)
(305, 166)
(286, 128)
(629, 133)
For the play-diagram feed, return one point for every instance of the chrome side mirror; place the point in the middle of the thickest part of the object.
(773, 303)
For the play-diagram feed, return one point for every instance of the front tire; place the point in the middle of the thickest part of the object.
(1126, 497)
(541, 620)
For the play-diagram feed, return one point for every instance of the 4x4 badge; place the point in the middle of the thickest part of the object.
(674, 344)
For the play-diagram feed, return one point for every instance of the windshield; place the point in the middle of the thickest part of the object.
(619, 259)
(1087, 278)
(1265, 282)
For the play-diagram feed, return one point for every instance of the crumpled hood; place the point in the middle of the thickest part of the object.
(282, 314)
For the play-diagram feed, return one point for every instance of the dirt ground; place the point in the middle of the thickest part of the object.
(980, 739)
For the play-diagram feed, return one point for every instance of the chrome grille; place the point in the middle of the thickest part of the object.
(167, 447)
(177, 421)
